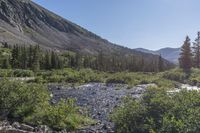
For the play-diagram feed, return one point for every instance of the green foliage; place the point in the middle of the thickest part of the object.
(16, 73)
(140, 78)
(194, 78)
(63, 115)
(71, 76)
(175, 75)
(185, 59)
(19, 99)
(30, 103)
(34, 58)
(131, 78)
(159, 111)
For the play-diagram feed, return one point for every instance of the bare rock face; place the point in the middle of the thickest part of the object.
(25, 22)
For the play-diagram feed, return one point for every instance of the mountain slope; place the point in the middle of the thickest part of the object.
(25, 22)
(170, 54)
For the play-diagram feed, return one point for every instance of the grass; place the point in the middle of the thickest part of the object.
(167, 79)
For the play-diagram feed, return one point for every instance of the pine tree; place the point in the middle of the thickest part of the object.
(185, 60)
(30, 56)
(24, 58)
(5, 45)
(15, 56)
(6, 63)
(160, 64)
(60, 63)
(78, 60)
(54, 60)
(48, 64)
(196, 49)
(36, 59)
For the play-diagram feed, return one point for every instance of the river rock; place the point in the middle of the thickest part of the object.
(99, 100)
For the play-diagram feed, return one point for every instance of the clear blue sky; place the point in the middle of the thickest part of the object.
(151, 24)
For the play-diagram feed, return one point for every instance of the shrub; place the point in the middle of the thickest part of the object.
(18, 99)
(30, 103)
(159, 111)
(175, 74)
(22, 73)
(16, 73)
(63, 115)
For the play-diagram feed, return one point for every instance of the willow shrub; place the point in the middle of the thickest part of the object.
(159, 111)
(29, 102)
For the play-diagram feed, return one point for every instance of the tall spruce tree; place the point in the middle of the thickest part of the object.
(160, 64)
(24, 58)
(6, 63)
(48, 64)
(54, 60)
(185, 60)
(30, 56)
(36, 59)
(15, 56)
(196, 51)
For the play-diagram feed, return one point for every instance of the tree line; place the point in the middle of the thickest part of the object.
(35, 58)
(190, 54)
(116, 63)
(32, 57)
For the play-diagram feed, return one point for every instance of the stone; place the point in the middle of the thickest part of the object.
(26, 127)
(98, 100)
(16, 125)
(43, 129)
(14, 131)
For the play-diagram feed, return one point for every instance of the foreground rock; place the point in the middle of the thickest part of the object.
(99, 99)
(186, 87)
(15, 127)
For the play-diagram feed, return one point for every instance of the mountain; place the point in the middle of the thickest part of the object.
(25, 22)
(170, 54)
(146, 51)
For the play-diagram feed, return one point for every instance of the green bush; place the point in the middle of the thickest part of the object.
(63, 115)
(16, 73)
(29, 103)
(175, 75)
(18, 99)
(159, 111)
(23, 73)
(165, 83)
(131, 78)
(6, 73)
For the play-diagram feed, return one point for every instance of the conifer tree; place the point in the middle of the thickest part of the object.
(6, 63)
(54, 60)
(24, 58)
(48, 64)
(60, 63)
(30, 56)
(15, 56)
(78, 61)
(36, 59)
(185, 59)
(196, 51)
(160, 64)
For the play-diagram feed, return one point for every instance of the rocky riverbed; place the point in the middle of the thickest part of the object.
(98, 99)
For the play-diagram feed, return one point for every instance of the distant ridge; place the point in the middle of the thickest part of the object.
(170, 54)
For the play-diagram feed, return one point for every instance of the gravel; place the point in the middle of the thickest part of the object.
(98, 99)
